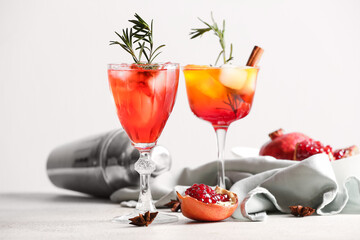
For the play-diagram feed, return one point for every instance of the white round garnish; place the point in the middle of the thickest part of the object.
(233, 77)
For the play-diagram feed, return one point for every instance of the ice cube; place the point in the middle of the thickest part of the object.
(233, 77)
(204, 80)
(250, 84)
(143, 83)
(120, 75)
(158, 82)
(141, 108)
(211, 88)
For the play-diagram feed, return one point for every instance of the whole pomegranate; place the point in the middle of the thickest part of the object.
(282, 146)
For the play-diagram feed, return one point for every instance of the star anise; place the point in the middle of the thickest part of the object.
(143, 219)
(300, 211)
(175, 205)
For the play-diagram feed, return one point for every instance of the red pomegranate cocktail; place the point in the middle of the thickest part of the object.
(144, 98)
(144, 93)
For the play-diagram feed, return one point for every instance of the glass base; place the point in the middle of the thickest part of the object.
(160, 218)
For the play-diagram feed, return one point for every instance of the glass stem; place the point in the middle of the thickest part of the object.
(220, 137)
(145, 166)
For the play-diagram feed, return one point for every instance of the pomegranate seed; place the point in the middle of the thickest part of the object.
(310, 147)
(346, 152)
(206, 194)
(338, 154)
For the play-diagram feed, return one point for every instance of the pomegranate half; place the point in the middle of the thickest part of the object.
(215, 211)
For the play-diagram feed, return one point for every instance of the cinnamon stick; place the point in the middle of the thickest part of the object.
(255, 56)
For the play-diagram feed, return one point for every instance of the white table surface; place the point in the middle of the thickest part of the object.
(66, 216)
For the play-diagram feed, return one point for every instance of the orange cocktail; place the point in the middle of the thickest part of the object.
(220, 95)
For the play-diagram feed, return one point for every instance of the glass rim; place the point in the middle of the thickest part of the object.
(202, 67)
(127, 66)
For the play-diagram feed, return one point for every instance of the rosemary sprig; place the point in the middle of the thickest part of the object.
(140, 34)
(220, 33)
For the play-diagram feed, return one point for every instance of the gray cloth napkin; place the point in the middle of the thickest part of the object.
(265, 184)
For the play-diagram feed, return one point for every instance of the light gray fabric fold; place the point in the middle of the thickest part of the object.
(265, 184)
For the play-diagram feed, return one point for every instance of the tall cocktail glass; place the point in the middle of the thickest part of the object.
(220, 95)
(144, 96)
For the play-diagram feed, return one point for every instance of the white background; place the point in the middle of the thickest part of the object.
(53, 81)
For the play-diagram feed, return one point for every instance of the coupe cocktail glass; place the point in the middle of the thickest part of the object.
(220, 95)
(144, 96)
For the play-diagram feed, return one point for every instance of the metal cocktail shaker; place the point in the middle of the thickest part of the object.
(101, 164)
